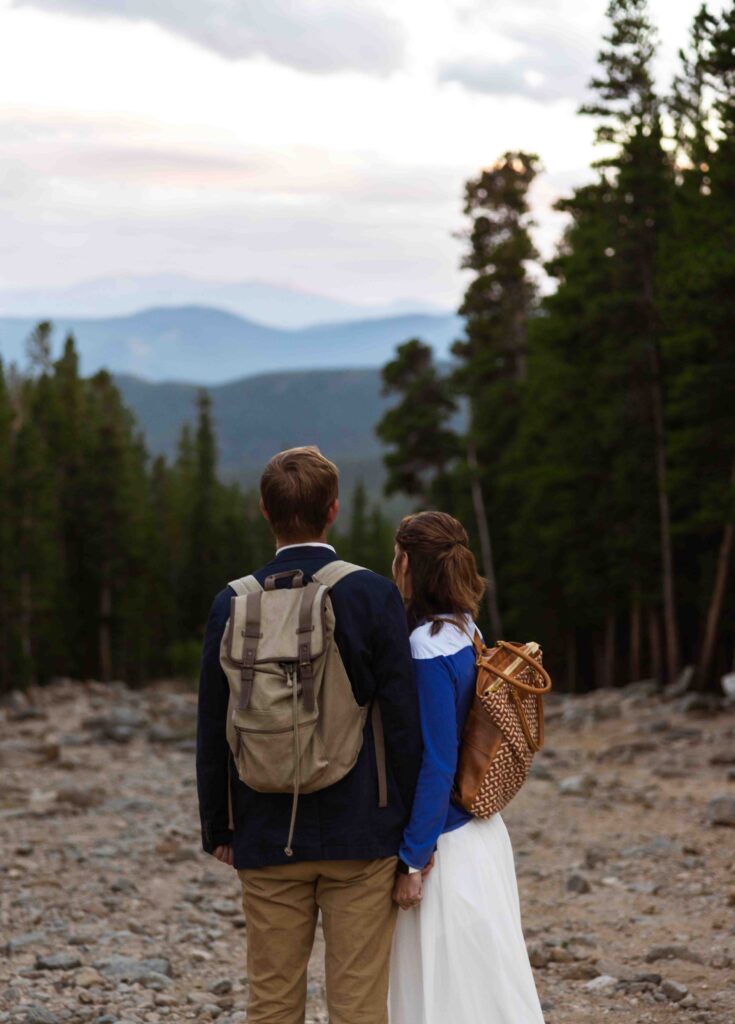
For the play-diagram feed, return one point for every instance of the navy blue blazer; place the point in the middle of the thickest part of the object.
(342, 822)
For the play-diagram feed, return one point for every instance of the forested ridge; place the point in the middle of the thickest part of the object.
(596, 473)
(109, 560)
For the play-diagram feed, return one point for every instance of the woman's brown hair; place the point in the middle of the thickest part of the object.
(445, 583)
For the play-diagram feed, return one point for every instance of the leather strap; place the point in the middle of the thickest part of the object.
(251, 634)
(296, 574)
(306, 632)
(517, 649)
(379, 741)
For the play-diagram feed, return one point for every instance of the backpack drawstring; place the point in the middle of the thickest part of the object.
(297, 760)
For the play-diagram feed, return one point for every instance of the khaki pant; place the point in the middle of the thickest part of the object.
(281, 906)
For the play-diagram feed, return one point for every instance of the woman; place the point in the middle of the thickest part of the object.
(459, 956)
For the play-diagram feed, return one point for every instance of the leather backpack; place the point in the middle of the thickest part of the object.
(504, 727)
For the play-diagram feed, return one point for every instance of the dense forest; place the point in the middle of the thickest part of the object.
(595, 464)
(108, 560)
(597, 472)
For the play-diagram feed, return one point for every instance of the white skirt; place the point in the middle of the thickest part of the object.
(460, 957)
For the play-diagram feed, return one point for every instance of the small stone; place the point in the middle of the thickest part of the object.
(673, 952)
(221, 987)
(227, 908)
(560, 955)
(21, 941)
(578, 785)
(603, 983)
(58, 962)
(88, 977)
(538, 770)
(674, 990)
(578, 883)
(721, 811)
(40, 1015)
(594, 856)
(579, 972)
(82, 797)
(538, 954)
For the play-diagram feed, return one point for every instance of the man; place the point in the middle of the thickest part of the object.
(345, 845)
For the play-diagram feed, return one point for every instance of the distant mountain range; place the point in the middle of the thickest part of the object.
(210, 346)
(274, 305)
(335, 409)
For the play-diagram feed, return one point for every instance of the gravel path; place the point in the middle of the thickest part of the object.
(110, 913)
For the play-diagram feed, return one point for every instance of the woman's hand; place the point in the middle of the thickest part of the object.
(407, 892)
(429, 866)
(223, 853)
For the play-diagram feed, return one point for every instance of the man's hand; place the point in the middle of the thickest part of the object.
(407, 890)
(223, 853)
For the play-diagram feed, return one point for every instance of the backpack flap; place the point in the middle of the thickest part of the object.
(277, 624)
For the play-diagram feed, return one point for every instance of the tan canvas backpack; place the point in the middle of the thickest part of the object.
(293, 723)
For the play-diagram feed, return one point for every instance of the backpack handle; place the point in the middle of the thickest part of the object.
(297, 574)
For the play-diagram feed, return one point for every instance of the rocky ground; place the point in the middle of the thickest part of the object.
(110, 914)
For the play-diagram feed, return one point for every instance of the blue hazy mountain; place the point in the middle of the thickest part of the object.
(271, 304)
(255, 417)
(208, 346)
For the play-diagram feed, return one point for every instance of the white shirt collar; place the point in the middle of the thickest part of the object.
(306, 544)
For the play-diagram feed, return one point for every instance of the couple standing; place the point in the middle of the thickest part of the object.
(457, 956)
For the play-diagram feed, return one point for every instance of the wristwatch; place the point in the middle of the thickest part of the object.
(405, 869)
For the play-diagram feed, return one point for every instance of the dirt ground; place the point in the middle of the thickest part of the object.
(109, 912)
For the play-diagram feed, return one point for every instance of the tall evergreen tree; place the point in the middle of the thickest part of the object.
(492, 357)
(7, 590)
(629, 115)
(418, 426)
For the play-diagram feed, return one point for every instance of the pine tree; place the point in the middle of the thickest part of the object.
(637, 165)
(7, 590)
(417, 427)
(698, 282)
(492, 358)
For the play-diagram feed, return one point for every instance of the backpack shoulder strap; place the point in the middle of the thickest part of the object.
(329, 576)
(245, 585)
(331, 573)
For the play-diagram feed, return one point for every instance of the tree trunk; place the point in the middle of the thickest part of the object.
(667, 558)
(105, 640)
(608, 665)
(654, 645)
(572, 661)
(635, 635)
(26, 625)
(486, 550)
(717, 600)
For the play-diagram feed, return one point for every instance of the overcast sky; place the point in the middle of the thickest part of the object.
(317, 143)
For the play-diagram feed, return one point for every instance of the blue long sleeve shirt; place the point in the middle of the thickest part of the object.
(445, 671)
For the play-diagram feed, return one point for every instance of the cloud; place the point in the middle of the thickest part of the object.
(550, 64)
(317, 36)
